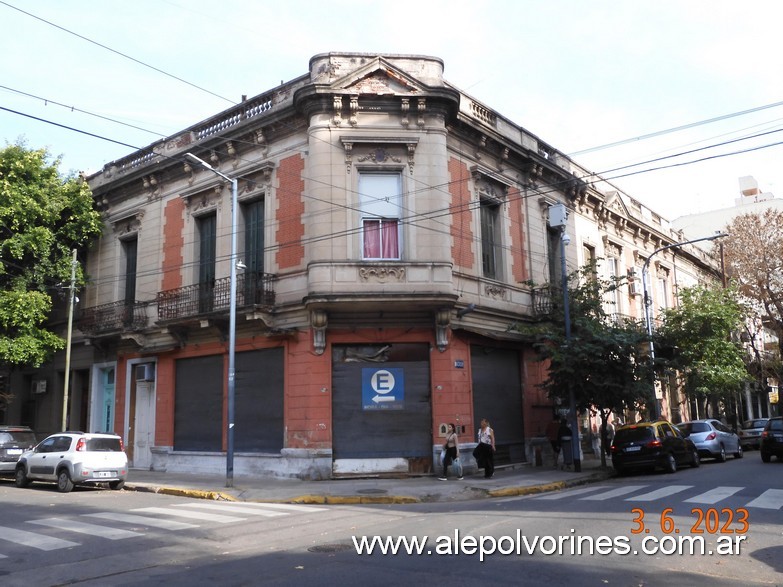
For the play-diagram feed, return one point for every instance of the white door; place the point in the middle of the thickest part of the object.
(144, 425)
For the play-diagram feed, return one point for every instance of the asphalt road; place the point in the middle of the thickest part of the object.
(99, 537)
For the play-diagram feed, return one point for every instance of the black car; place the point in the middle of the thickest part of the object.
(772, 439)
(648, 445)
(14, 440)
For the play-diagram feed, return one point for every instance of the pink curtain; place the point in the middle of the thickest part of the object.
(381, 239)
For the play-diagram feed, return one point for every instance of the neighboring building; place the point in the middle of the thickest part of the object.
(389, 228)
(760, 398)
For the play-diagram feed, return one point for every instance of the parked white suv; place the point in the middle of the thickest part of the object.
(75, 458)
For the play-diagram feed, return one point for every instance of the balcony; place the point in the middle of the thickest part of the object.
(114, 317)
(201, 299)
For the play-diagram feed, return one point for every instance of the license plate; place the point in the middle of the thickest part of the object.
(14, 451)
(105, 474)
(633, 448)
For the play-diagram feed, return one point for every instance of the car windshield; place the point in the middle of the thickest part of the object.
(104, 444)
(17, 438)
(693, 427)
(633, 434)
(755, 423)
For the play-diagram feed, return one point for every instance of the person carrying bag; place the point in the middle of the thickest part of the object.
(450, 454)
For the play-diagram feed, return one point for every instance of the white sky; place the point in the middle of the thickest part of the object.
(576, 73)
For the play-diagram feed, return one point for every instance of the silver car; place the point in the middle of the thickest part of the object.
(750, 434)
(712, 438)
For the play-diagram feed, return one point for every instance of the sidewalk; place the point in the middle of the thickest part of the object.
(508, 481)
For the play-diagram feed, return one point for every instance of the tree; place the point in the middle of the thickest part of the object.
(696, 340)
(43, 217)
(754, 257)
(601, 361)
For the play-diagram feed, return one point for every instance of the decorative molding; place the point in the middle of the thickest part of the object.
(442, 323)
(382, 274)
(496, 292)
(405, 108)
(348, 143)
(378, 155)
(354, 109)
(337, 105)
(150, 184)
(422, 106)
(319, 321)
(127, 223)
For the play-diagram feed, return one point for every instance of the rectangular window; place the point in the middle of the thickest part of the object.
(490, 239)
(207, 226)
(661, 297)
(380, 200)
(613, 269)
(254, 253)
(130, 252)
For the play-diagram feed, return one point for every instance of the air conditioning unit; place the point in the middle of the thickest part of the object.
(145, 372)
(39, 386)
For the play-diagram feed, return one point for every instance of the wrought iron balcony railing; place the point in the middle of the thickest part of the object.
(112, 317)
(253, 289)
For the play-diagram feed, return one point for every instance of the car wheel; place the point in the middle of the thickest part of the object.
(20, 478)
(765, 457)
(116, 485)
(721, 455)
(738, 454)
(64, 483)
(670, 464)
(695, 460)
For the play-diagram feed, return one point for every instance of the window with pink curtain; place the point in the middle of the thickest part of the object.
(381, 239)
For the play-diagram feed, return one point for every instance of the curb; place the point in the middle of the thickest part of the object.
(555, 486)
(195, 493)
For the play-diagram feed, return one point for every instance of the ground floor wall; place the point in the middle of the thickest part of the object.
(376, 402)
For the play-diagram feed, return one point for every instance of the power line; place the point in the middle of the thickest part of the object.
(48, 101)
(674, 129)
(102, 46)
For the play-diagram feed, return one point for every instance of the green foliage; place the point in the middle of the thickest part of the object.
(601, 360)
(696, 339)
(43, 217)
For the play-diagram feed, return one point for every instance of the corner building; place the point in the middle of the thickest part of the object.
(388, 227)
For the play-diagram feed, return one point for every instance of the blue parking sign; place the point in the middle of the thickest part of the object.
(383, 388)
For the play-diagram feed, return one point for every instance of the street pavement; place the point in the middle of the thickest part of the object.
(507, 481)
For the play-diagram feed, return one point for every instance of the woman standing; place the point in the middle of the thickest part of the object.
(486, 446)
(451, 446)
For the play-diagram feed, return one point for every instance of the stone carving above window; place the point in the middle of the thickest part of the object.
(128, 223)
(381, 148)
(496, 292)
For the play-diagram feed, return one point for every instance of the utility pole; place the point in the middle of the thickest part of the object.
(71, 296)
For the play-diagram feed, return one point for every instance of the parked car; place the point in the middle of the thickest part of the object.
(750, 433)
(75, 458)
(14, 440)
(713, 438)
(772, 439)
(647, 445)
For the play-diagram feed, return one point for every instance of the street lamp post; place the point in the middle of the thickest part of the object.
(558, 218)
(648, 303)
(232, 319)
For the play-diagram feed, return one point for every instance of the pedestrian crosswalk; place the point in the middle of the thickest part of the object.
(770, 499)
(112, 525)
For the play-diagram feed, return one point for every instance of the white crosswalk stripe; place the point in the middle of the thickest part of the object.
(714, 495)
(193, 515)
(85, 528)
(771, 499)
(564, 494)
(143, 520)
(625, 490)
(231, 509)
(33, 539)
(659, 493)
(292, 507)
